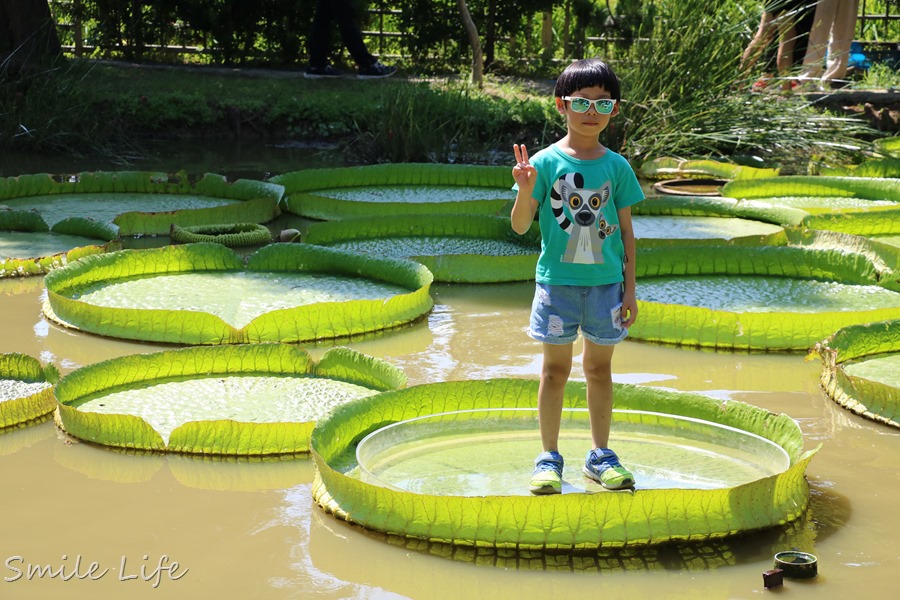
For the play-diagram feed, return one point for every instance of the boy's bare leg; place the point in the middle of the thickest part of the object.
(597, 362)
(554, 374)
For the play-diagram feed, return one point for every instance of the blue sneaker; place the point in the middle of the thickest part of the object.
(547, 475)
(602, 465)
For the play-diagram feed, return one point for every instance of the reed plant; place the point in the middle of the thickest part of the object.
(444, 122)
(685, 96)
(54, 110)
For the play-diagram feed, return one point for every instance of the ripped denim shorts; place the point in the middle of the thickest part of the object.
(558, 311)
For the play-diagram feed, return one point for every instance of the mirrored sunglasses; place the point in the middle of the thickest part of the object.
(603, 106)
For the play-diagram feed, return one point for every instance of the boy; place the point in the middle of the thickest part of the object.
(585, 274)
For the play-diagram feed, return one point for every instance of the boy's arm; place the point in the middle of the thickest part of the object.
(629, 298)
(525, 176)
(523, 211)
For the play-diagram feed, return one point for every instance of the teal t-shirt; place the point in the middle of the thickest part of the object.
(578, 203)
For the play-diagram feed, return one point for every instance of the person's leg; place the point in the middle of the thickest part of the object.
(764, 35)
(319, 35)
(817, 43)
(554, 375)
(351, 34)
(842, 34)
(548, 466)
(602, 331)
(806, 13)
(597, 364)
(786, 38)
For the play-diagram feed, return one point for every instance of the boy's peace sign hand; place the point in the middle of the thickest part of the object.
(524, 173)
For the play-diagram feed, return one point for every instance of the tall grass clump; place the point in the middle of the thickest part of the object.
(432, 122)
(52, 109)
(685, 96)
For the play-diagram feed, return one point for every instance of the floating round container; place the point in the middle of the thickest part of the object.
(796, 564)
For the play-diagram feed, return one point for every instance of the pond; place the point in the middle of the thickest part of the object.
(250, 528)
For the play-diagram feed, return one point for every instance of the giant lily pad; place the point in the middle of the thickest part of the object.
(862, 370)
(872, 188)
(204, 294)
(143, 202)
(457, 248)
(29, 247)
(662, 230)
(860, 205)
(26, 389)
(774, 298)
(236, 400)
(667, 167)
(882, 167)
(570, 521)
(394, 189)
(889, 145)
(847, 214)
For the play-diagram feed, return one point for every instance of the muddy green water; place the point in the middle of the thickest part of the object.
(249, 529)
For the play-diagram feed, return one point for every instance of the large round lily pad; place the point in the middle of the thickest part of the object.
(773, 298)
(143, 202)
(569, 521)
(29, 247)
(861, 370)
(847, 214)
(665, 230)
(26, 389)
(204, 294)
(443, 454)
(667, 167)
(238, 400)
(455, 248)
(396, 189)
(860, 205)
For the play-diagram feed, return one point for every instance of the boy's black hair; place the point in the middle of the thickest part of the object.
(586, 73)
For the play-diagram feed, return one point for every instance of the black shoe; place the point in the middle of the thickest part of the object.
(376, 71)
(322, 72)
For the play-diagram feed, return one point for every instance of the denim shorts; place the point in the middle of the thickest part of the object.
(558, 311)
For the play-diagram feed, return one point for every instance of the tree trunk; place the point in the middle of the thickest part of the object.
(27, 33)
(474, 41)
(547, 34)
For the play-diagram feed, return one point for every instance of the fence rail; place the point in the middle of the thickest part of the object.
(81, 37)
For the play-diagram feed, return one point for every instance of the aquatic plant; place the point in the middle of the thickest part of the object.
(860, 370)
(888, 145)
(125, 196)
(875, 167)
(859, 205)
(567, 522)
(26, 389)
(29, 247)
(455, 248)
(399, 294)
(480, 185)
(872, 188)
(238, 234)
(257, 399)
(820, 271)
(666, 167)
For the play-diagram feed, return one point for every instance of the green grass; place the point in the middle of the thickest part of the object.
(684, 107)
